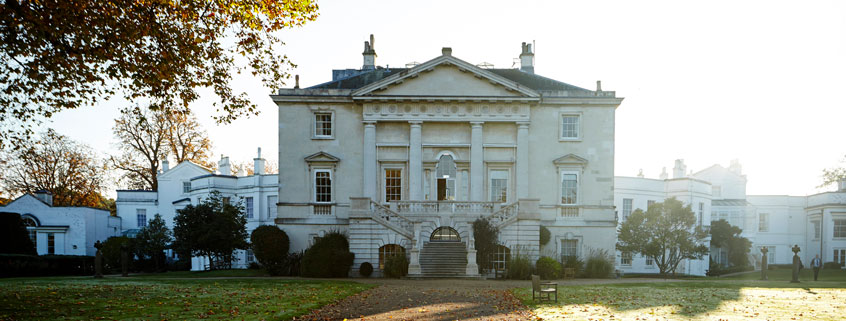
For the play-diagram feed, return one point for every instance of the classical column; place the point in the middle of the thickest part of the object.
(415, 162)
(369, 160)
(522, 160)
(477, 165)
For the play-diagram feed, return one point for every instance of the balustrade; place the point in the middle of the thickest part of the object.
(450, 207)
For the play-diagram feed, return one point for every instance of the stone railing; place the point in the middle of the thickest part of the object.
(444, 207)
(392, 219)
(827, 198)
(570, 210)
(505, 215)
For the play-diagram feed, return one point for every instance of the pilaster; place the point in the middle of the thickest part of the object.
(415, 161)
(477, 175)
(522, 160)
(369, 160)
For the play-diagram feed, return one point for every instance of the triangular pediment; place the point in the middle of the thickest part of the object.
(446, 76)
(321, 157)
(186, 169)
(570, 159)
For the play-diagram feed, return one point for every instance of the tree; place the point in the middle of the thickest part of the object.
(214, 228)
(67, 54)
(69, 170)
(833, 175)
(146, 136)
(727, 236)
(14, 238)
(486, 238)
(270, 167)
(270, 246)
(666, 232)
(153, 239)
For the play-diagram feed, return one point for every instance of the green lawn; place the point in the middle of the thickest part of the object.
(206, 274)
(166, 298)
(740, 297)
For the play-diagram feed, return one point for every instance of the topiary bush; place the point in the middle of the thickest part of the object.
(396, 266)
(544, 235)
(548, 268)
(599, 265)
(329, 257)
(366, 269)
(519, 267)
(14, 237)
(575, 263)
(270, 247)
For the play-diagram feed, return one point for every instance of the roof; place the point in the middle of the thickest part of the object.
(360, 80)
(535, 81)
(730, 202)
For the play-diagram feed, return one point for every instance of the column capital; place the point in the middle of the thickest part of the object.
(415, 122)
(368, 123)
(522, 124)
(476, 123)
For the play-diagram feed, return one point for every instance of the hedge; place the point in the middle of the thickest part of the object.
(13, 265)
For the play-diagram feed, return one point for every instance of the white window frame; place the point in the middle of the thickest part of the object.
(626, 256)
(816, 229)
(332, 129)
(138, 212)
(507, 183)
(331, 185)
(834, 231)
(561, 187)
(249, 207)
(627, 211)
(763, 222)
(186, 187)
(385, 170)
(575, 249)
(579, 126)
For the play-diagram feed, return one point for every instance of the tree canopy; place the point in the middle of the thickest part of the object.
(833, 175)
(153, 239)
(666, 232)
(67, 54)
(727, 236)
(214, 228)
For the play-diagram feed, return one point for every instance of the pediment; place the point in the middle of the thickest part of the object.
(570, 159)
(446, 76)
(186, 169)
(322, 157)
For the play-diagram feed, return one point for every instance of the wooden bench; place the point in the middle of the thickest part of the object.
(541, 290)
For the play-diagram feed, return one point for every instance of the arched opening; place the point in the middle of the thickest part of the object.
(446, 176)
(445, 234)
(31, 223)
(387, 251)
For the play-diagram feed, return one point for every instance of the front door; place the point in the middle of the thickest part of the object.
(442, 189)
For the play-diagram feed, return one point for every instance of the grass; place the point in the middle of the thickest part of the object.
(84, 298)
(727, 298)
(236, 273)
(786, 274)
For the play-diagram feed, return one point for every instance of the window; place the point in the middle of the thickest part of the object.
(389, 250)
(393, 184)
(499, 186)
(271, 205)
(248, 206)
(51, 243)
(445, 178)
(323, 125)
(186, 187)
(569, 188)
(569, 248)
(701, 212)
(649, 261)
(649, 203)
(817, 229)
(323, 186)
(839, 228)
(763, 222)
(840, 257)
(569, 127)
(626, 258)
(445, 234)
(33, 236)
(627, 208)
(141, 215)
(501, 258)
(716, 192)
(250, 258)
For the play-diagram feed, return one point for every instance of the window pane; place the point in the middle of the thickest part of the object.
(569, 189)
(839, 228)
(570, 126)
(322, 187)
(499, 186)
(627, 208)
(323, 124)
(248, 207)
(393, 185)
(141, 215)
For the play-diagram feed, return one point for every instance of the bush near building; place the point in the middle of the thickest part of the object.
(396, 266)
(329, 257)
(548, 268)
(599, 265)
(575, 263)
(14, 238)
(519, 267)
(366, 269)
(270, 247)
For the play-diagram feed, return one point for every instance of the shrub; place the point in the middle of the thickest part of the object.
(544, 235)
(293, 264)
(485, 237)
(832, 265)
(519, 267)
(254, 266)
(575, 263)
(396, 266)
(270, 247)
(548, 268)
(14, 238)
(111, 253)
(330, 256)
(12, 265)
(600, 264)
(366, 269)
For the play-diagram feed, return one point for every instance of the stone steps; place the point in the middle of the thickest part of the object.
(443, 260)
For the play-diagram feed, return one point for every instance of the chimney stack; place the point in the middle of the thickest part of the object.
(223, 166)
(664, 173)
(165, 165)
(369, 54)
(258, 164)
(679, 169)
(735, 167)
(527, 59)
(841, 185)
(45, 196)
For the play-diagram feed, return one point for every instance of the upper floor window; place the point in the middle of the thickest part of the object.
(701, 212)
(649, 203)
(569, 188)
(627, 208)
(817, 231)
(839, 228)
(626, 258)
(141, 216)
(393, 184)
(322, 186)
(323, 125)
(248, 206)
(764, 222)
(499, 186)
(186, 187)
(716, 192)
(570, 127)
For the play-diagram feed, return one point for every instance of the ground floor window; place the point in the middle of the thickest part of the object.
(501, 258)
(387, 251)
(33, 236)
(569, 248)
(445, 234)
(51, 243)
(771, 253)
(649, 261)
(626, 258)
(250, 257)
(840, 256)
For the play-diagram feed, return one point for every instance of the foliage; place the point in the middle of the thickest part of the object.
(213, 228)
(548, 268)
(147, 136)
(486, 238)
(69, 54)
(153, 239)
(270, 247)
(396, 266)
(715, 269)
(600, 264)
(667, 233)
(544, 235)
(727, 236)
(519, 266)
(330, 256)
(366, 269)
(14, 265)
(168, 299)
(70, 170)
(833, 175)
(293, 263)
(14, 238)
(248, 168)
(111, 250)
(575, 263)
(832, 265)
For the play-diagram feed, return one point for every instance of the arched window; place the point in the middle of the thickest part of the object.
(387, 251)
(31, 223)
(445, 178)
(445, 234)
(501, 257)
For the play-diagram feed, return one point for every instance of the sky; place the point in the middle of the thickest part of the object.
(707, 82)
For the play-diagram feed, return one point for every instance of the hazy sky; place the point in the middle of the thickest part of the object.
(760, 81)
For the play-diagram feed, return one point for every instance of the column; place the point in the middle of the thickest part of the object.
(415, 162)
(522, 160)
(477, 165)
(369, 160)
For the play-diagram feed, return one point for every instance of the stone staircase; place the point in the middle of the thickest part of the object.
(443, 259)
